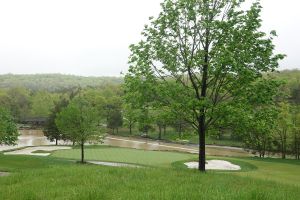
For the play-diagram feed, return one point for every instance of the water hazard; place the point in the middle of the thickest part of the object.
(37, 138)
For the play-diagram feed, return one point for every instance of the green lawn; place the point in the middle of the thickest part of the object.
(115, 154)
(56, 177)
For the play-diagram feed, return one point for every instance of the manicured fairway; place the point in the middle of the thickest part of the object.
(115, 154)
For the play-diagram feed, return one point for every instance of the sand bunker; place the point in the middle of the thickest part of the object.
(215, 165)
(30, 150)
(113, 164)
(4, 174)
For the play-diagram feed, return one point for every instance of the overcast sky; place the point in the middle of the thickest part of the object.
(91, 37)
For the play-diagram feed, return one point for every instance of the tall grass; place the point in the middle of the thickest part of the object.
(76, 181)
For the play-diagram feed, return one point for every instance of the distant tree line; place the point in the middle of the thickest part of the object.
(261, 127)
(55, 82)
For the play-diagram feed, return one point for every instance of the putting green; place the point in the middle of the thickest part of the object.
(115, 154)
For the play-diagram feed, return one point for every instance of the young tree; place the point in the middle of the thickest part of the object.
(253, 115)
(295, 114)
(284, 127)
(258, 128)
(51, 130)
(8, 128)
(112, 109)
(115, 120)
(162, 117)
(130, 116)
(80, 122)
(197, 55)
(42, 102)
(145, 121)
(19, 103)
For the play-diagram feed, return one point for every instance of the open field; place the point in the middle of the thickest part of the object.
(56, 177)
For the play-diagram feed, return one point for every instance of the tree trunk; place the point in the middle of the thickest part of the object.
(295, 146)
(159, 134)
(56, 141)
(130, 129)
(283, 151)
(180, 129)
(298, 150)
(201, 119)
(264, 148)
(201, 132)
(82, 151)
(165, 127)
(283, 146)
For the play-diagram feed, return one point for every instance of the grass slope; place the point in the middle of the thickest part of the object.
(49, 178)
(281, 171)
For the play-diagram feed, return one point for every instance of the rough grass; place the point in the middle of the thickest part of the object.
(57, 178)
(49, 178)
(281, 171)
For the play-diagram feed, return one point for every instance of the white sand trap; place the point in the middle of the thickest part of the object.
(215, 165)
(4, 174)
(113, 164)
(30, 150)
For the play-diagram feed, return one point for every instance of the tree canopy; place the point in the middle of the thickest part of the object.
(79, 121)
(199, 56)
(8, 129)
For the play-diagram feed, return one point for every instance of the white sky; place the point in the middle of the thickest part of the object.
(91, 37)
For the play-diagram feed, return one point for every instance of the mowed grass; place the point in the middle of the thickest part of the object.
(125, 155)
(51, 178)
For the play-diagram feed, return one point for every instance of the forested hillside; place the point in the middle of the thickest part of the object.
(60, 82)
(33, 96)
(54, 82)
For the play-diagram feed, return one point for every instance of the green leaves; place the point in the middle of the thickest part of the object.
(79, 120)
(8, 128)
(166, 67)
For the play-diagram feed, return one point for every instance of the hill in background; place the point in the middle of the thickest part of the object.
(60, 82)
(55, 82)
